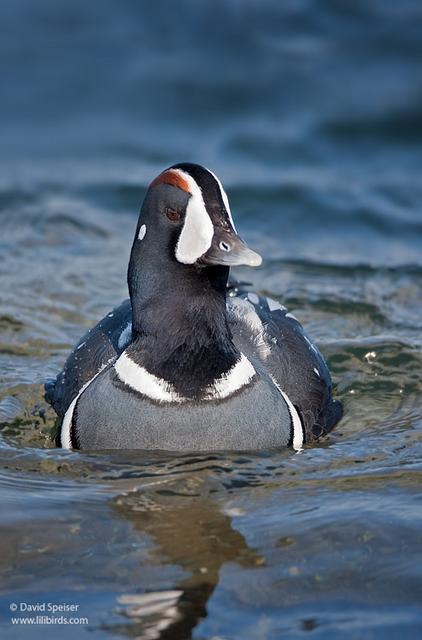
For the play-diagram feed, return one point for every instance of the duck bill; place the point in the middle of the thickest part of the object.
(229, 250)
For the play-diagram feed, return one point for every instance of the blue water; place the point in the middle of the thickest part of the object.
(310, 113)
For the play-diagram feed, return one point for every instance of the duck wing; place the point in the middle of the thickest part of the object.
(98, 347)
(264, 329)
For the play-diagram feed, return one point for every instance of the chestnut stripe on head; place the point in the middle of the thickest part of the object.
(172, 177)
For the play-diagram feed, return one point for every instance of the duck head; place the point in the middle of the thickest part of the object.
(184, 246)
(186, 213)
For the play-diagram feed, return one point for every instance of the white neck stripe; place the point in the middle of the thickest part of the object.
(149, 385)
(139, 379)
(237, 377)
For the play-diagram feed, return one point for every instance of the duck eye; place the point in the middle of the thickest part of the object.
(224, 246)
(172, 214)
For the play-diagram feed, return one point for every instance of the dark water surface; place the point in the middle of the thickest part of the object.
(310, 112)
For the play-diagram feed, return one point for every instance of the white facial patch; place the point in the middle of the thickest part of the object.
(139, 379)
(198, 230)
(142, 231)
(237, 377)
(296, 421)
(224, 198)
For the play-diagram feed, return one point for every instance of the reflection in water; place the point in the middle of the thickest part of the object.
(143, 543)
(189, 531)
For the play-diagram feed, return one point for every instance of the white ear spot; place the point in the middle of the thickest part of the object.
(198, 230)
(142, 232)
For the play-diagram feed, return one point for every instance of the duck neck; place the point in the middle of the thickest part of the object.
(180, 326)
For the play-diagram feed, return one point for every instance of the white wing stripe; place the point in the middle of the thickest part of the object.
(296, 421)
(65, 432)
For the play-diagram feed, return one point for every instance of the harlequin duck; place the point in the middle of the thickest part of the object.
(192, 362)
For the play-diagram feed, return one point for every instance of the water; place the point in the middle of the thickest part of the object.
(310, 114)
